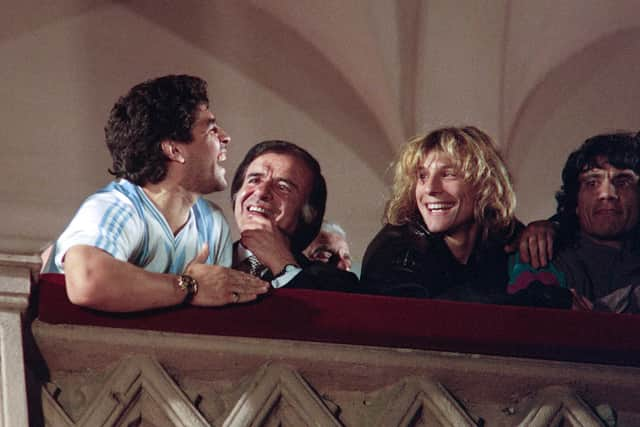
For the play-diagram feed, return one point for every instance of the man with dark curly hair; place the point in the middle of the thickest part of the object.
(597, 253)
(148, 239)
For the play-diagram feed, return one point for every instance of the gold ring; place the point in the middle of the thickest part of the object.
(236, 296)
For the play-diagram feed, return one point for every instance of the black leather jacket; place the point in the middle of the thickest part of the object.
(408, 261)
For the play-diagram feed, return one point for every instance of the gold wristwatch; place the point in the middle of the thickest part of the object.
(189, 285)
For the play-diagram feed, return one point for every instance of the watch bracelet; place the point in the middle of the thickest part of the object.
(189, 285)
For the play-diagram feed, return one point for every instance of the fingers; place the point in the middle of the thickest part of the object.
(243, 282)
(257, 235)
(241, 297)
(534, 252)
(235, 297)
(219, 285)
(248, 237)
(245, 287)
(252, 238)
(525, 255)
(271, 248)
(258, 222)
(543, 258)
(538, 250)
(536, 243)
(550, 237)
(542, 252)
(247, 291)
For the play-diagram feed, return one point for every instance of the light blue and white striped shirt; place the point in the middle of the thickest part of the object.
(121, 220)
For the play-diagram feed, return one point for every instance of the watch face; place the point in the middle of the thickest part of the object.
(188, 284)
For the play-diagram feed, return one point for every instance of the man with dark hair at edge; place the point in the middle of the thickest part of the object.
(279, 196)
(597, 253)
(148, 239)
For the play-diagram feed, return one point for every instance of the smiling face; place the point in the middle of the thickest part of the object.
(203, 156)
(608, 201)
(275, 186)
(330, 248)
(444, 199)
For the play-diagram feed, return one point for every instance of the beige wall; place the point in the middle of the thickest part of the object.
(350, 81)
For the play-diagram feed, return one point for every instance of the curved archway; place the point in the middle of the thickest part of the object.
(593, 91)
(540, 36)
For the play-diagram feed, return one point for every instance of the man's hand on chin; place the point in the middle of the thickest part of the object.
(268, 243)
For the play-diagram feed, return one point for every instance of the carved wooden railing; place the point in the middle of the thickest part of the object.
(299, 358)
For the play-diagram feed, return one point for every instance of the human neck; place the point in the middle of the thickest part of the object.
(173, 201)
(461, 242)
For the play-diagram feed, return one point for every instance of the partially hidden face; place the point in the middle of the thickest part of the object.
(205, 153)
(330, 248)
(444, 199)
(275, 187)
(607, 205)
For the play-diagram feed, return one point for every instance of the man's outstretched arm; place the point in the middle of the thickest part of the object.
(535, 243)
(97, 280)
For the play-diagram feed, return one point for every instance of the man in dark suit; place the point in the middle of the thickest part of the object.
(279, 196)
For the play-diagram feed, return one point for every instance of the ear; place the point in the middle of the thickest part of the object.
(173, 151)
(308, 214)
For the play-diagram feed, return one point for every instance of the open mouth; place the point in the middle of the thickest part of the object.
(222, 156)
(440, 206)
(260, 210)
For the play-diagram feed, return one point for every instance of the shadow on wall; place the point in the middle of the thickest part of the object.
(14, 21)
(277, 58)
(594, 91)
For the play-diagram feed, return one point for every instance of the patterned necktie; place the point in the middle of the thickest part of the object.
(252, 265)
